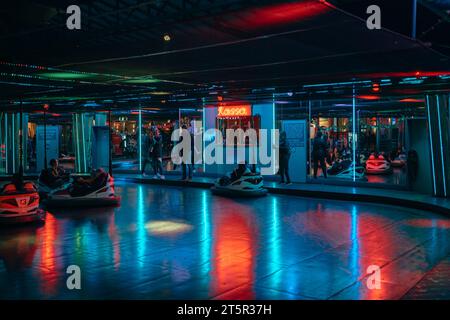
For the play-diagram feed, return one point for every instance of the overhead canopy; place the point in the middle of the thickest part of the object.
(122, 56)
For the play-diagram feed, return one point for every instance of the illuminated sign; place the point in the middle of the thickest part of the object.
(234, 111)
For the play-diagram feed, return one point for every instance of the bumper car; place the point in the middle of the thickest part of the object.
(47, 184)
(344, 170)
(19, 203)
(399, 161)
(94, 192)
(247, 184)
(378, 165)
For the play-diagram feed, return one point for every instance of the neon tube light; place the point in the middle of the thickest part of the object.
(431, 144)
(84, 143)
(77, 133)
(354, 133)
(234, 111)
(6, 142)
(442, 149)
(203, 133)
(337, 84)
(273, 128)
(13, 147)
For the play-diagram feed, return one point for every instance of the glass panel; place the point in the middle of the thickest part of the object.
(331, 140)
(125, 140)
(385, 138)
(82, 140)
(290, 117)
(192, 118)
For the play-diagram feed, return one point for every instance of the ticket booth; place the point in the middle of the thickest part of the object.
(237, 116)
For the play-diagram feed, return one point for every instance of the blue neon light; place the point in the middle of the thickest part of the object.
(140, 225)
(84, 144)
(431, 144)
(13, 144)
(6, 142)
(354, 253)
(273, 128)
(336, 83)
(354, 133)
(203, 133)
(205, 234)
(275, 235)
(442, 148)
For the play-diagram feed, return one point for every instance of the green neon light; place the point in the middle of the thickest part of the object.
(65, 75)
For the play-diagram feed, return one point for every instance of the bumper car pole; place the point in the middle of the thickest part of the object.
(110, 169)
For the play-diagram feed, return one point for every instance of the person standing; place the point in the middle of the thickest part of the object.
(157, 155)
(285, 155)
(319, 154)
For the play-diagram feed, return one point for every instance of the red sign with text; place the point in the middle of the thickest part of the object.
(234, 111)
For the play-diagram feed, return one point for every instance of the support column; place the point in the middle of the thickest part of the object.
(82, 138)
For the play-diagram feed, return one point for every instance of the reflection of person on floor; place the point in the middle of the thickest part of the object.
(157, 155)
(319, 154)
(285, 154)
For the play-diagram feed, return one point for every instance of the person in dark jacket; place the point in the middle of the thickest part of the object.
(285, 154)
(319, 154)
(54, 176)
(157, 155)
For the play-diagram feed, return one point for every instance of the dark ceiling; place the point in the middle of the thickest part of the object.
(246, 49)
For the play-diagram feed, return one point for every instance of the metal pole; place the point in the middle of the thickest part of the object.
(110, 144)
(21, 142)
(354, 132)
(45, 139)
(414, 19)
(140, 132)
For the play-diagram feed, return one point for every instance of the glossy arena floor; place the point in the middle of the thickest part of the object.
(184, 243)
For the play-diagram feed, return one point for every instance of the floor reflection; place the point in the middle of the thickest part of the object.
(184, 243)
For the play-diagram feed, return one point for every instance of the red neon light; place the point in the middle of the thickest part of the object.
(279, 14)
(405, 74)
(412, 100)
(375, 87)
(234, 111)
(368, 97)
